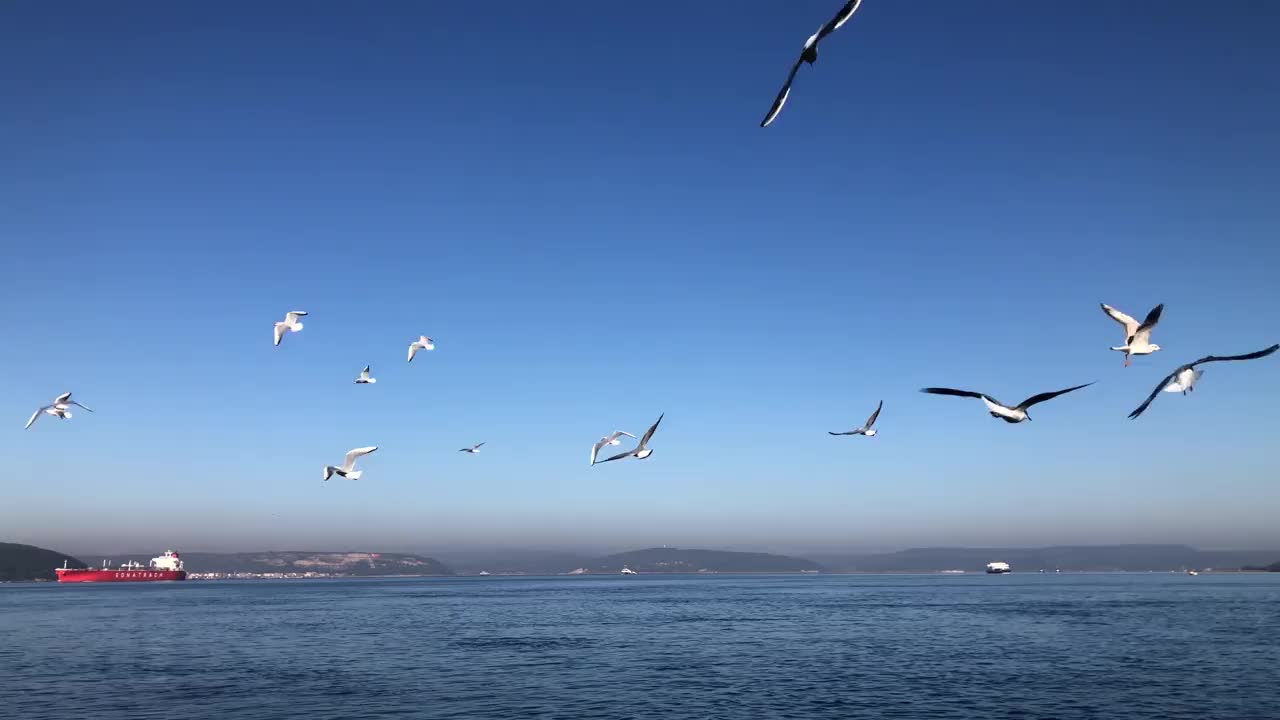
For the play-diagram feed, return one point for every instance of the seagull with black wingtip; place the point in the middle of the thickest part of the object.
(642, 450)
(1008, 413)
(1184, 379)
(809, 55)
(1137, 335)
(866, 429)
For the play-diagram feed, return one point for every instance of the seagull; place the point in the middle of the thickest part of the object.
(348, 469)
(1137, 336)
(422, 343)
(1184, 379)
(641, 452)
(59, 408)
(364, 378)
(611, 439)
(290, 323)
(472, 450)
(809, 55)
(866, 429)
(1014, 414)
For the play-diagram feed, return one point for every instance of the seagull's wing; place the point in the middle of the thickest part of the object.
(413, 350)
(872, 420)
(649, 433)
(1037, 399)
(851, 432)
(62, 399)
(1128, 323)
(280, 331)
(82, 407)
(477, 447)
(841, 18)
(35, 416)
(781, 99)
(624, 432)
(1154, 393)
(1148, 324)
(293, 315)
(959, 393)
(595, 449)
(1247, 356)
(619, 456)
(350, 461)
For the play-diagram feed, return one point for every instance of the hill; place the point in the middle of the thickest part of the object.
(676, 560)
(1097, 558)
(335, 563)
(1273, 567)
(28, 562)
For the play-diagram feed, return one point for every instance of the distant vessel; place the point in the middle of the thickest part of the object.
(998, 568)
(951, 572)
(484, 572)
(166, 567)
(578, 571)
(628, 571)
(1192, 572)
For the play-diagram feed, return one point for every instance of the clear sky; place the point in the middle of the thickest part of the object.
(576, 201)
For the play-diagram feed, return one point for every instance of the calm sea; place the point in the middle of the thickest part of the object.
(734, 647)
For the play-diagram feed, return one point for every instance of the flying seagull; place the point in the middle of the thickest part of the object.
(1184, 378)
(348, 469)
(809, 55)
(1014, 414)
(611, 439)
(364, 378)
(641, 451)
(422, 343)
(1137, 336)
(290, 323)
(472, 450)
(59, 408)
(866, 429)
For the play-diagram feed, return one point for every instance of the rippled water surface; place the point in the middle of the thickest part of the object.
(971, 646)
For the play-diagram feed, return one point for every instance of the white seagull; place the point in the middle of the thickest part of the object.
(348, 469)
(59, 408)
(364, 378)
(809, 55)
(1184, 379)
(471, 450)
(1010, 414)
(290, 324)
(422, 343)
(642, 450)
(866, 429)
(611, 439)
(1137, 335)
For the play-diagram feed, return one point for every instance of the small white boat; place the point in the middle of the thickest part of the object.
(998, 568)
(484, 572)
(1192, 572)
(628, 571)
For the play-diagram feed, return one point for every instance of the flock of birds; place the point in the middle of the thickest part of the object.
(1137, 339)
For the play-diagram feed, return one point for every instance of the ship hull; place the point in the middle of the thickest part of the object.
(138, 575)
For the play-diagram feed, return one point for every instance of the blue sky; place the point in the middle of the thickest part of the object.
(576, 200)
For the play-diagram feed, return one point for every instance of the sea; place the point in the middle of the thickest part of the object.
(732, 647)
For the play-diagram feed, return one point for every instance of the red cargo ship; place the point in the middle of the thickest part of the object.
(166, 567)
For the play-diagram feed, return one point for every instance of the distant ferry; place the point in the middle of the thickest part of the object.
(484, 572)
(628, 571)
(166, 567)
(1192, 572)
(998, 568)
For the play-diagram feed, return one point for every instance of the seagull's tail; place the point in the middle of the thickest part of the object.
(328, 471)
(373, 380)
(355, 474)
(296, 327)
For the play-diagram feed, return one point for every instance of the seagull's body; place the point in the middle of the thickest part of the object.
(867, 428)
(290, 324)
(472, 450)
(1008, 413)
(809, 54)
(611, 439)
(59, 408)
(1184, 379)
(348, 468)
(642, 450)
(422, 343)
(365, 378)
(1137, 335)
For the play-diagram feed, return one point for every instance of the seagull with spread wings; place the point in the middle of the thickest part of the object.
(610, 439)
(1184, 379)
(59, 408)
(642, 450)
(867, 428)
(1008, 413)
(809, 55)
(365, 378)
(348, 468)
(290, 324)
(1137, 335)
(422, 343)
(471, 450)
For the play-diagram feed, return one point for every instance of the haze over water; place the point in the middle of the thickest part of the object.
(1141, 647)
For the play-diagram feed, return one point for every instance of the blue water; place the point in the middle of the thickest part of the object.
(734, 647)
